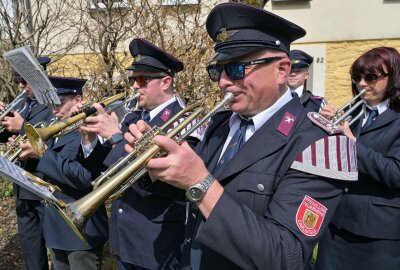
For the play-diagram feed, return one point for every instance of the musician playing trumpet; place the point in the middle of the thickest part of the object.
(28, 206)
(62, 164)
(366, 223)
(146, 230)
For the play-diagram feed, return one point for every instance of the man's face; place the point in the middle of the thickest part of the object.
(23, 85)
(262, 85)
(63, 110)
(297, 77)
(151, 86)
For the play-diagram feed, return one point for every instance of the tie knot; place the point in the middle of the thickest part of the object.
(245, 122)
(372, 113)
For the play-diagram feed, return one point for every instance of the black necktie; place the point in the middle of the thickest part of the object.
(372, 114)
(233, 147)
(146, 116)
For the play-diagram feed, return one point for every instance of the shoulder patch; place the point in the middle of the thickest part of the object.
(324, 123)
(287, 123)
(332, 156)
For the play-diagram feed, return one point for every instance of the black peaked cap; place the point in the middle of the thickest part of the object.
(67, 85)
(300, 59)
(240, 29)
(148, 57)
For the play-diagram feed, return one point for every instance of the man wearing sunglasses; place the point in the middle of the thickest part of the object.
(297, 80)
(146, 230)
(265, 204)
(28, 206)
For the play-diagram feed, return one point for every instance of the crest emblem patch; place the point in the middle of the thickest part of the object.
(310, 216)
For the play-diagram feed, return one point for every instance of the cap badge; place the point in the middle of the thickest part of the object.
(295, 61)
(278, 42)
(136, 58)
(224, 34)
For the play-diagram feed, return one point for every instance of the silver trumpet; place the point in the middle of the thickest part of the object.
(11, 107)
(349, 108)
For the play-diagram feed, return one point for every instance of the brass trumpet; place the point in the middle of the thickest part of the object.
(349, 108)
(37, 136)
(77, 213)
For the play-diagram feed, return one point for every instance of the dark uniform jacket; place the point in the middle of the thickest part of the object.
(263, 219)
(62, 167)
(311, 102)
(146, 229)
(39, 113)
(371, 207)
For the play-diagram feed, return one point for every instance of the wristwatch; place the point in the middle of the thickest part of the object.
(196, 192)
(116, 138)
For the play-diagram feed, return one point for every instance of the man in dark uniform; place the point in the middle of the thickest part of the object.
(146, 230)
(265, 205)
(62, 164)
(13, 121)
(297, 79)
(28, 205)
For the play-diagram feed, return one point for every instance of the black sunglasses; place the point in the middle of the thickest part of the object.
(369, 77)
(236, 70)
(142, 80)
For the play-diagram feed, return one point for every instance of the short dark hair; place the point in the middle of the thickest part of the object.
(373, 61)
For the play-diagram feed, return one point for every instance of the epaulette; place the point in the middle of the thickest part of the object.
(332, 156)
(317, 97)
(324, 123)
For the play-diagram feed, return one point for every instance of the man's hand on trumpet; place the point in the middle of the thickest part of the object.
(104, 124)
(329, 112)
(28, 151)
(13, 123)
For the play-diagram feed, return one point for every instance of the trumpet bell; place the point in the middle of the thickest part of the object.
(35, 138)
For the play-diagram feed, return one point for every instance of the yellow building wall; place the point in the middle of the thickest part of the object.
(339, 57)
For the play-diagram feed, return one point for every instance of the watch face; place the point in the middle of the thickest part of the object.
(195, 194)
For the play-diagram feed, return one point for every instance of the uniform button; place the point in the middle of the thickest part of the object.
(346, 190)
(194, 215)
(188, 239)
(120, 211)
(260, 187)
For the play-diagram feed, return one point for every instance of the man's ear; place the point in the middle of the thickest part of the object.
(166, 82)
(284, 70)
(78, 98)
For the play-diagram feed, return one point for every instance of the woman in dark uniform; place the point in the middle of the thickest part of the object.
(365, 231)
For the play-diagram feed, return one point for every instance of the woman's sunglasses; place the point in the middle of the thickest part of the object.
(236, 70)
(369, 77)
(143, 80)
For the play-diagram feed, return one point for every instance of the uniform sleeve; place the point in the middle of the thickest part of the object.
(64, 170)
(284, 236)
(383, 168)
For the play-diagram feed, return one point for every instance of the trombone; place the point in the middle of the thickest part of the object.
(37, 136)
(338, 117)
(77, 213)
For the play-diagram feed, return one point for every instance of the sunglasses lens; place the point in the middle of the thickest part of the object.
(214, 71)
(370, 77)
(235, 71)
(140, 80)
(355, 78)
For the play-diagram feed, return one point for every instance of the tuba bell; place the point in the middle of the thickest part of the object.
(77, 213)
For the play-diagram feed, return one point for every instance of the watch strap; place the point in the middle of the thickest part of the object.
(116, 138)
